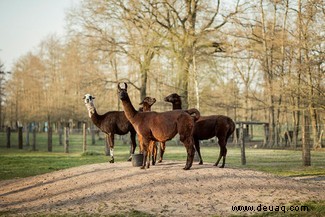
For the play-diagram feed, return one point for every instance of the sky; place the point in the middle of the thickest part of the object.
(25, 23)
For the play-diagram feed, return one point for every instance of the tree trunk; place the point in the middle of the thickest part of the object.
(183, 81)
(8, 137)
(20, 137)
(306, 142)
(34, 138)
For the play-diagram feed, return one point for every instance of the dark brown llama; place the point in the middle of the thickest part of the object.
(208, 127)
(160, 127)
(111, 123)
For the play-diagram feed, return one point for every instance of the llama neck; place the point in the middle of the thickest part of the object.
(91, 109)
(95, 117)
(177, 105)
(146, 108)
(129, 110)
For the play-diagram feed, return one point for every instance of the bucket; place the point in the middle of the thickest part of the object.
(137, 160)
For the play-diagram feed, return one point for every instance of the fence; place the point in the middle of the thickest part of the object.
(66, 140)
(71, 140)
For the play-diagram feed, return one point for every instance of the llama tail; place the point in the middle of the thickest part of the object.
(195, 112)
(231, 128)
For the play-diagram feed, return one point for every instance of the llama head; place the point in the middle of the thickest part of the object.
(88, 99)
(148, 100)
(122, 92)
(173, 98)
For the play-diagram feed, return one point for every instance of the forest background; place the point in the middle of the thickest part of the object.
(257, 60)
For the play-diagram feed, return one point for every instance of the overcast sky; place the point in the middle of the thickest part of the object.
(25, 23)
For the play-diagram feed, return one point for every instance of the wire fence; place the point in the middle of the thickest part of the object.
(92, 139)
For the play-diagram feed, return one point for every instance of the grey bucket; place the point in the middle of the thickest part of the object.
(137, 160)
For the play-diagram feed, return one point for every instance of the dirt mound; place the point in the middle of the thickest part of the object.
(162, 190)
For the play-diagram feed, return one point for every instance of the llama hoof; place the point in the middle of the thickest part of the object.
(142, 167)
(130, 159)
(200, 163)
(111, 161)
(222, 166)
(159, 161)
(186, 168)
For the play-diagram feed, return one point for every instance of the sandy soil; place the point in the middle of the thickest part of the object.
(162, 190)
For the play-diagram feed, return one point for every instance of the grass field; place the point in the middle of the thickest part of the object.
(16, 163)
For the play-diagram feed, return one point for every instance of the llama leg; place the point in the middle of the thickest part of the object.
(219, 158)
(150, 153)
(197, 147)
(111, 145)
(146, 152)
(223, 153)
(154, 153)
(185, 126)
(224, 157)
(190, 149)
(162, 151)
(190, 155)
(133, 145)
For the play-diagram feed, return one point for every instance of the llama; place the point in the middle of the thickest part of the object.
(146, 103)
(208, 127)
(111, 123)
(160, 127)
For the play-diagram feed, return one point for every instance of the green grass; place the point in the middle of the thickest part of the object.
(16, 163)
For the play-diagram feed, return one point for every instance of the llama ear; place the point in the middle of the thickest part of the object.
(119, 86)
(93, 97)
(84, 97)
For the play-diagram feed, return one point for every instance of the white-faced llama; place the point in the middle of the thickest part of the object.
(111, 123)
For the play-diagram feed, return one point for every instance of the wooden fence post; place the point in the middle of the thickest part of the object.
(66, 139)
(8, 137)
(84, 137)
(92, 132)
(20, 137)
(49, 135)
(242, 144)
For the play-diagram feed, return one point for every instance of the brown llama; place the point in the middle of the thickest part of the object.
(111, 123)
(146, 103)
(160, 127)
(208, 127)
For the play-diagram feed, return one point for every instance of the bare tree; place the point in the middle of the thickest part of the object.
(3, 80)
(191, 27)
